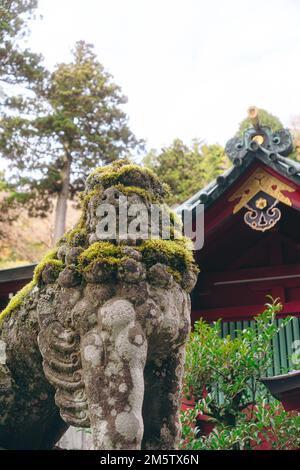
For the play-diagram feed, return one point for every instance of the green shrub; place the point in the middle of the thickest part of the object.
(229, 371)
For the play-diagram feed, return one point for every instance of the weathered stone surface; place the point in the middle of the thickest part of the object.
(49, 274)
(132, 253)
(132, 271)
(73, 254)
(98, 273)
(62, 252)
(69, 277)
(159, 275)
(189, 279)
(102, 344)
(93, 238)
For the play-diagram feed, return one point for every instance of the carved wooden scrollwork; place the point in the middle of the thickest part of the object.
(276, 145)
(260, 194)
(263, 213)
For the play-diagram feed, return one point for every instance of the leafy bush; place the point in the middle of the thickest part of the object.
(223, 376)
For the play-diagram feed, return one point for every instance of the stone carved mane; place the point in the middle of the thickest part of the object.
(97, 338)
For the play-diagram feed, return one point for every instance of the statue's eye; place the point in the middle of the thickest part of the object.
(276, 139)
(239, 146)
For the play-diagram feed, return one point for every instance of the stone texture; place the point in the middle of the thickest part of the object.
(104, 351)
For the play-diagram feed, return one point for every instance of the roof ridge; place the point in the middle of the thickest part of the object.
(273, 151)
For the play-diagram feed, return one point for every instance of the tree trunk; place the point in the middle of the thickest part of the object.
(62, 200)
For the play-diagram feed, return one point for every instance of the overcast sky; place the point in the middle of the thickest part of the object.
(190, 68)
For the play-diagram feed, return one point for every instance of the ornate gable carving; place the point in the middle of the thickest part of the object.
(260, 194)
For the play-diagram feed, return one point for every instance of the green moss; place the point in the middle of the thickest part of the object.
(176, 227)
(77, 236)
(186, 243)
(176, 274)
(104, 252)
(129, 179)
(174, 253)
(84, 202)
(55, 263)
(17, 300)
(62, 240)
(126, 173)
(126, 190)
(175, 219)
(131, 190)
(49, 259)
(108, 255)
(100, 249)
(177, 255)
(174, 234)
(86, 197)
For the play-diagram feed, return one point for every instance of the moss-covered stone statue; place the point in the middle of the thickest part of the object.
(97, 338)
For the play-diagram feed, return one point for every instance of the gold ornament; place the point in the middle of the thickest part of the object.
(259, 139)
(260, 180)
(261, 203)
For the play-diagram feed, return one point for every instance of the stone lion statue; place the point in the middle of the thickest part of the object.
(97, 339)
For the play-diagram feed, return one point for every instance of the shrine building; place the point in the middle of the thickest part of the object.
(251, 238)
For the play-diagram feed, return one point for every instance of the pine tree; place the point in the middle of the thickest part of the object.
(72, 124)
(17, 65)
